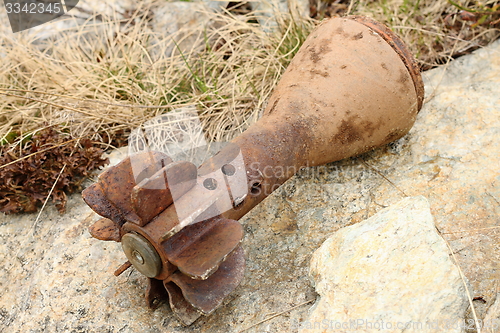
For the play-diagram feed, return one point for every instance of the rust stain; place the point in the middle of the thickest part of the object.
(351, 130)
(323, 48)
(394, 135)
(324, 74)
(370, 127)
(358, 36)
(273, 108)
(403, 76)
(314, 55)
(348, 132)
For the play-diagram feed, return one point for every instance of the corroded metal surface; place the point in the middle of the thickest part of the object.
(352, 86)
(153, 195)
(221, 283)
(199, 249)
(106, 230)
(400, 47)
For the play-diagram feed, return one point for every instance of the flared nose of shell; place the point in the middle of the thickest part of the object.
(401, 49)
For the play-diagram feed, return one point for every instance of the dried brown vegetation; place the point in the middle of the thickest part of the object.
(91, 83)
(434, 30)
(44, 164)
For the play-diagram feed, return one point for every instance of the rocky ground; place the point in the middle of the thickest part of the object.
(55, 277)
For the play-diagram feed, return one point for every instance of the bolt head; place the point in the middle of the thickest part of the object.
(141, 254)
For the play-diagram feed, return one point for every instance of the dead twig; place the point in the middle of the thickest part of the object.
(276, 315)
(470, 230)
(498, 202)
(387, 179)
(462, 276)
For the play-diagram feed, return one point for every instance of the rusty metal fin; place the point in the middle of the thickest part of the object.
(155, 293)
(185, 312)
(198, 249)
(205, 295)
(95, 198)
(117, 182)
(153, 195)
(106, 230)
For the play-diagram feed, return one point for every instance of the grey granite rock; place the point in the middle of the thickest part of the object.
(269, 11)
(391, 272)
(55, 278)
(491, 321)
(80, 16)
(183, 22)
(217, 5)
(170, 20)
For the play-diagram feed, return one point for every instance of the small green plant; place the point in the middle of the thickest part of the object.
(9, 138)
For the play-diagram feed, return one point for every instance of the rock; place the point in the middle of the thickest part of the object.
(491, 322)
(216, 5)
(391, 272)
(54, 277)
(269, 12)
(181, 21)
(80, 16)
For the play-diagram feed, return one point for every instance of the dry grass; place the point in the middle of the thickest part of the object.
(434, 30)
(108, 74)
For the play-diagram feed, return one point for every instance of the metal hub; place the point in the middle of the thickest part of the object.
(141, 254)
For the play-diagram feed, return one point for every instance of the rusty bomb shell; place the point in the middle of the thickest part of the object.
(351, 87)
